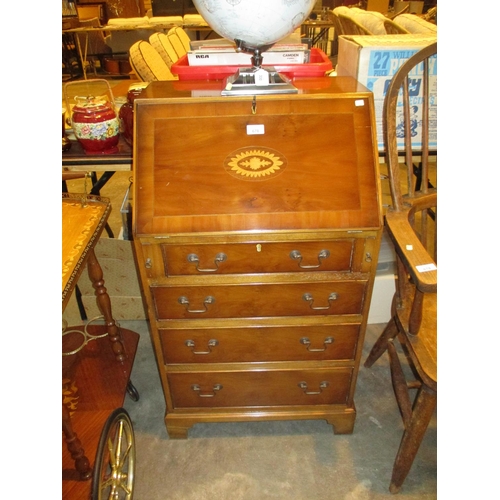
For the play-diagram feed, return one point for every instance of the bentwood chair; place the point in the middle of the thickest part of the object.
(411, 222)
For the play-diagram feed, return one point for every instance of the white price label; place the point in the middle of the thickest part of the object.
(255, 129)
(261, 77)
(426, 267)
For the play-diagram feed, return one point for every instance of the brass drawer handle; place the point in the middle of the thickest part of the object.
(215, 388)
(309, 298)
(322, 385)
(305, 341)
(296, 255)
(211, 343)
(185, 302)
(194, 259)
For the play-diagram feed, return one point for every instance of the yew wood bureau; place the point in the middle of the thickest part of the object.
(257, 224)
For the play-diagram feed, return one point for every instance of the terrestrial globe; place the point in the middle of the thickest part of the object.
(256, 23)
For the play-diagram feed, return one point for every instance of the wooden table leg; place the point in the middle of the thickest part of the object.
(82, 464)
(104, 304)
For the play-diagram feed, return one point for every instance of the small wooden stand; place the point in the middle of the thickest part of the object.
(98, 357)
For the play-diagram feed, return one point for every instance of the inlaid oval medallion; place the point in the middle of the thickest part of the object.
(255, 163)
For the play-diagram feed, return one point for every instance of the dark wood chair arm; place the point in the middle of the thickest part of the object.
(411, 251)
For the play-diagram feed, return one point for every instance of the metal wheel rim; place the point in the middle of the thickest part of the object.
(115, 461)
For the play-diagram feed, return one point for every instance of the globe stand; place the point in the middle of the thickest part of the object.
(256, 80)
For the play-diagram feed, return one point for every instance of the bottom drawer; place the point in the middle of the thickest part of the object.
(260, 388)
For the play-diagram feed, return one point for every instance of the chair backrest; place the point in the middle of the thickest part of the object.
(393, 28)
(415, 24)
(352, 27)
(164, 47)
(337, 25)
(413, 181)
(180, 40)
(148, 64)
(399, 124)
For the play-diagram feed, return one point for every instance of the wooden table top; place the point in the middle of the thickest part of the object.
(82, 224)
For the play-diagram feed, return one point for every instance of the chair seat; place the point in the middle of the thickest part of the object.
(422, 347)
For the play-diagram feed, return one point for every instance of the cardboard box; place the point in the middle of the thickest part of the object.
(373, 61)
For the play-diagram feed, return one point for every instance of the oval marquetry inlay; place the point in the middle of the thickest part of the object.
(255, 164)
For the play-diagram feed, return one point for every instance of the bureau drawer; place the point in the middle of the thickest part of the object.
(258, 257)
(270, 343)
(258, 300)
(260, 388)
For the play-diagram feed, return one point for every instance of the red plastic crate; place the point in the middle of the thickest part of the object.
(319, 64)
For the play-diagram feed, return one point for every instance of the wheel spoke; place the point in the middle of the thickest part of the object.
(113, 494)
(119, 445)
(106, 483)
(125, 455)
(116, 462)
(112, 457)
(124, 485)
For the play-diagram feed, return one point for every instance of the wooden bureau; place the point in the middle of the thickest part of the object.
(257, 225)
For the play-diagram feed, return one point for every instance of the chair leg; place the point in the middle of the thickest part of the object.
(400, 385)
(423, 409)
(380, 346)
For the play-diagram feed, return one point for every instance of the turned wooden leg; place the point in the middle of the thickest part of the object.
(104, 304)
(423, 409)
(82, 464)
(415, 319)
(380, 346)
(399, 384)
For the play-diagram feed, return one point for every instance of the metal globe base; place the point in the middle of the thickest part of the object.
(256, 80)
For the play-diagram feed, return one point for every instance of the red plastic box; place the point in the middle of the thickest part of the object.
(318, 66)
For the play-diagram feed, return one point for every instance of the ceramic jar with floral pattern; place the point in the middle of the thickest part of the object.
(96, 125)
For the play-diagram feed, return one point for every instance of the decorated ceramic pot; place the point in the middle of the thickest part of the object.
(66, 143)
(96, 125)
(127, 112)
